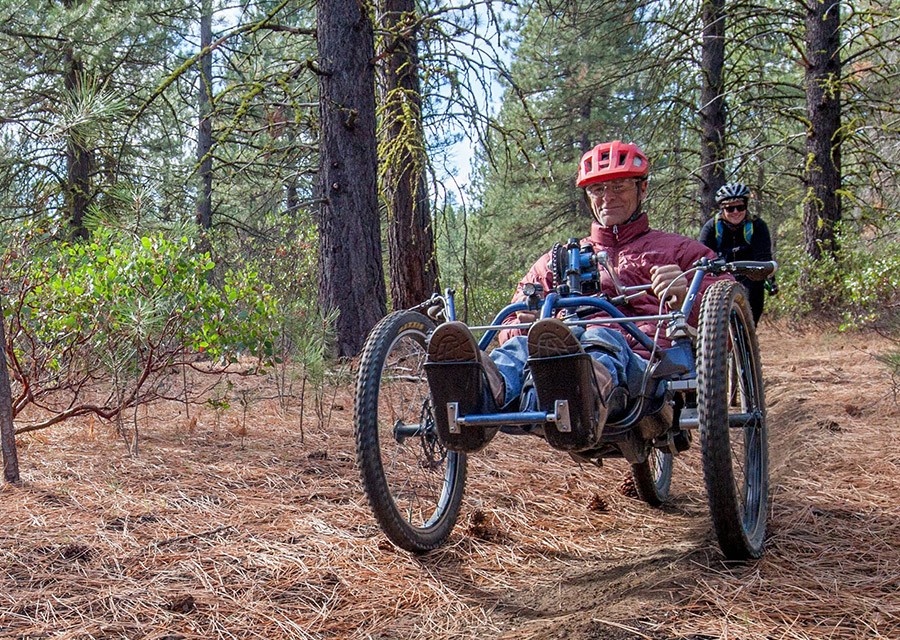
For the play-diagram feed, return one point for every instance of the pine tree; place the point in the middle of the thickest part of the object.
(81, 69)
(403, 159)
(569, 87)
(351, 278)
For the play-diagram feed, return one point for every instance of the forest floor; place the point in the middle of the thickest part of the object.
(223, 530)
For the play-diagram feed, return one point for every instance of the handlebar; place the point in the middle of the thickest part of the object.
(602, 259)
(565, 297)
(756, 271)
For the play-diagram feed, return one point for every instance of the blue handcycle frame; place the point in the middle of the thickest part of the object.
(675, 365)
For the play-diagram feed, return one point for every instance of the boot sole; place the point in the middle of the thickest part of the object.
(455, 376)
(569, 378)
(551, 337)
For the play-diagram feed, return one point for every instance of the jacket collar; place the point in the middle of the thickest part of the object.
(619, 234)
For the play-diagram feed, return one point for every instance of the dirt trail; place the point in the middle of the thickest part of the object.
(211, 534)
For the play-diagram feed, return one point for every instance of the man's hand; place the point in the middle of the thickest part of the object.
(665, 275)
(524, 317)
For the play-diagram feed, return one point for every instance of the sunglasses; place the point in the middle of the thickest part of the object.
(614, 188)
(734, 207)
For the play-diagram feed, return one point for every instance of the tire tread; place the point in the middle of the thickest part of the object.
(368, 452)
(712, 373)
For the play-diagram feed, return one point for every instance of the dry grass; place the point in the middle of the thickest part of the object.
(216, 534)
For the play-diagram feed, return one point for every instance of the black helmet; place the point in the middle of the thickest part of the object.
(732, 191)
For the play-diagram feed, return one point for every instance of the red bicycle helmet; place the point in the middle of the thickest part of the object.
(612, 160)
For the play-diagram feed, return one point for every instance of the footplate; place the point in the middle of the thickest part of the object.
(569, 378)
(457, 389)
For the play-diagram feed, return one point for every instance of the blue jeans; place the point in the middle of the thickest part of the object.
(605, 345)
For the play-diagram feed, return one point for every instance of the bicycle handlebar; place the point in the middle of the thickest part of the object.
(756, 271)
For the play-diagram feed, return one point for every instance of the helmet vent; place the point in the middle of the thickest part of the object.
(610, 161)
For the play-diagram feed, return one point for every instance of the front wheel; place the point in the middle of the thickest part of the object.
(732, 415)
(414, 485)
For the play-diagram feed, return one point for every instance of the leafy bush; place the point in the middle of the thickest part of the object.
(873, 290)
(809, 289)
(123, 309)
(284, 254)
(862, 289)
(484, 303)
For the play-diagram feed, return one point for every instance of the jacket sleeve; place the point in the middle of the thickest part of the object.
(762, 241)
(540, 274)
(708, 234)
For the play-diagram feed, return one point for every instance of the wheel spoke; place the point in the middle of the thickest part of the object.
(731, 412)
(414, 489)
(750, 485)
(653, 477)
(413, 485)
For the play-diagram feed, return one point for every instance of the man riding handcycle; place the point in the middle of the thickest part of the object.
(599, 355)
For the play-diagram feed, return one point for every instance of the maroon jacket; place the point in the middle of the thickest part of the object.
(633, 248)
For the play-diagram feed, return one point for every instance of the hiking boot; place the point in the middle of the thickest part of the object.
(459, 372)
(568, 381)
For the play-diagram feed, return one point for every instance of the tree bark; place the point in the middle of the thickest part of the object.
(586, 144)
(822, 206)
(712, 104)
(413, 267)
(7, 428)
(78, 158)
(291, 197)
(351, 276)
(204, 132)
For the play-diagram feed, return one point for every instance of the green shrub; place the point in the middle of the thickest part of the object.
(484, 303)
(861, 289)
(119, 311)
(807, 288)
(873, 290)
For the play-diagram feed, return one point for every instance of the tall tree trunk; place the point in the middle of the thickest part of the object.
(291, 197)
(78, 158)
(822, 206)
(712, 103)
(413, 267)
(586, 144)
(204, 133)
(7, 428)
(351, 276)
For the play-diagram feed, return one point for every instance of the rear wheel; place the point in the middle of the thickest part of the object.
(413, 484)
(732, 416)
(653, 476)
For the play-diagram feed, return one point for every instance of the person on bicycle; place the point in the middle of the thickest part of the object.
(614, 176)
(736, 234)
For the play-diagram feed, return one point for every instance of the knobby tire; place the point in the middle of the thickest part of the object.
(414, 486)
(735, 459)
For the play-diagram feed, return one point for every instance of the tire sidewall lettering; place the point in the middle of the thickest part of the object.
(416, 326)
